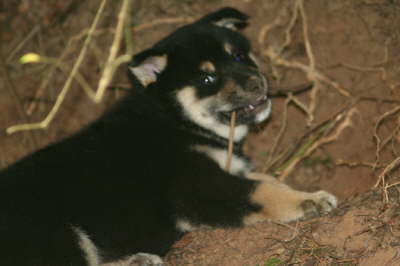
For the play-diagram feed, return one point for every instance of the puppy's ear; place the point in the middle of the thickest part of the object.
(227, 17)
(147, 65)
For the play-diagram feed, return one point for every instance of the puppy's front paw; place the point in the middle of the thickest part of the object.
(145, 259)
(319, 203)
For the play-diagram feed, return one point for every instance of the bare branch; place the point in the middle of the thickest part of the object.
(60, 98)
(230, 144)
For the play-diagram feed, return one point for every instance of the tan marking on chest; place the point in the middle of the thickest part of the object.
(220, 156)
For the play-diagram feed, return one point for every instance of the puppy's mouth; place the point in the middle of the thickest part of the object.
(249, 110)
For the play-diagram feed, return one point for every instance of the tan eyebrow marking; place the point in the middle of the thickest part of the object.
(228, 48)
(207, 66)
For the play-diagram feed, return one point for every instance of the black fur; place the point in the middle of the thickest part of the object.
(126, 179)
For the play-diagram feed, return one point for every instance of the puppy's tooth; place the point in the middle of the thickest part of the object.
(251, 107)
(261, 98)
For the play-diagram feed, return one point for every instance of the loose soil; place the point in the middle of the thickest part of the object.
(342, 135)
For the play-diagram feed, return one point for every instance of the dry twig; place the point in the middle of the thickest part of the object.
(270, 161)
(393, 165)
(110, 66)
(295, 230)
(341, 122)
(311, 59)
(341, 162)
(29, 36)
(112, 63)
(9, 86)
(284, 158)
(379, 145)
(294, 90)
(382, 177)
(231, 139)
(45, 123)
(274, 54)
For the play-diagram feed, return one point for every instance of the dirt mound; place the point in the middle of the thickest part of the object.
(362, 231)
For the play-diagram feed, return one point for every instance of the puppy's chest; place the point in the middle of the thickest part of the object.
(239, 164)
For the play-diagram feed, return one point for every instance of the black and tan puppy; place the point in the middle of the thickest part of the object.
(152, 168)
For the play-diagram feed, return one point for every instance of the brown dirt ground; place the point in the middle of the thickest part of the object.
(348, 49)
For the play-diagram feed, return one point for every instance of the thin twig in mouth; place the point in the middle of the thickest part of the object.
(230, 144)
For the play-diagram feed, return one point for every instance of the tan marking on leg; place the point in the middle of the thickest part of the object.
(282, 203)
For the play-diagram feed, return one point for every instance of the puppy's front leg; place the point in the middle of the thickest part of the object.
(282, 203)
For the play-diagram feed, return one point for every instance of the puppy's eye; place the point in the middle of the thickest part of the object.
(209, 80)
(238, 57)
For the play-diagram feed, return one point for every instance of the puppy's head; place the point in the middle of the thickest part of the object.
(207, 71)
